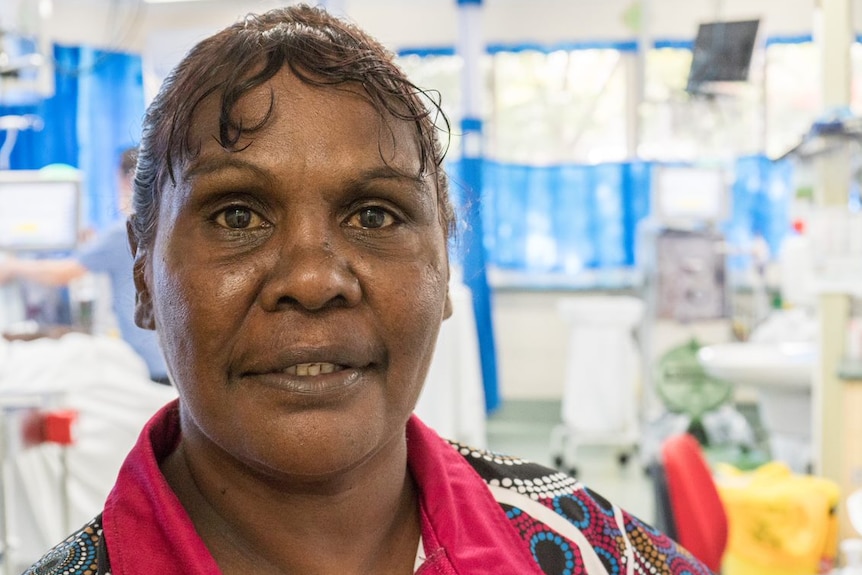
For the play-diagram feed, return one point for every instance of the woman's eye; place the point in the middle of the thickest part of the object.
(372, 218)
(238, 218)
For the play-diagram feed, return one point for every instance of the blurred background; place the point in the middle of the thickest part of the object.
(660, 234)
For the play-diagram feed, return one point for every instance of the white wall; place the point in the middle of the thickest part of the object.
(532, 341)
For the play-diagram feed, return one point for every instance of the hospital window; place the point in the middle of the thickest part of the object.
(441, 74)
(558, 107)
(677, 125)
(792, 94)
(569, 106)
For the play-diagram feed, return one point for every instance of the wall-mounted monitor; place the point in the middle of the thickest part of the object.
(41, 212)
(722, 53)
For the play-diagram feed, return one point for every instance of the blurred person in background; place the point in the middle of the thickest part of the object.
(107, 253)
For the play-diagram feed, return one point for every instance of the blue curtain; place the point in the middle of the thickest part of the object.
(571, 217)
(762, 191)
(94, 113)
(564, 218)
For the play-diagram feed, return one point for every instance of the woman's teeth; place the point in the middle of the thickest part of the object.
(312, 368)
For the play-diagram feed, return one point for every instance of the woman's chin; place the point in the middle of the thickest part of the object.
(321, 447)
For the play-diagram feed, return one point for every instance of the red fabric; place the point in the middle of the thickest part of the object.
(464, 530)
(464, 519)
(145, 526)
(698, 513)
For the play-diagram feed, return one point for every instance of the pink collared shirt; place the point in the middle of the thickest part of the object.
(464, 530)
(481, 513)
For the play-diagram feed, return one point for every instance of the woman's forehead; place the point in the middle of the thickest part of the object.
(300, 117)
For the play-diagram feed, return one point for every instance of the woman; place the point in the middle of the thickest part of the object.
(290, 227)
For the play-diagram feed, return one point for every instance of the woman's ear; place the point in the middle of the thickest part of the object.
(447, 305)
(144, 317)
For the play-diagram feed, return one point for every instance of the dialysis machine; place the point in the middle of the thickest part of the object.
(682, 251)
(683, 255)
(40, 217)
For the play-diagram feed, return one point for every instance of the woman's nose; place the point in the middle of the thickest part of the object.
(310, 273)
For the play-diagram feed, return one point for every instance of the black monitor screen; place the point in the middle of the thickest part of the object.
(722, 53)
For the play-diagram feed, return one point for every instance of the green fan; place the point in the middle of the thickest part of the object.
(684, 387)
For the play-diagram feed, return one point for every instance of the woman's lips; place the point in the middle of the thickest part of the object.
(313, 379)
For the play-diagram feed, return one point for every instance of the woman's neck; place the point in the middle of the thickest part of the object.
(366, 521)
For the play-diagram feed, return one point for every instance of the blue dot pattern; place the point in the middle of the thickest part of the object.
(77, 555)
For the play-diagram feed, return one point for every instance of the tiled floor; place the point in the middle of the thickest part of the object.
(523, 428)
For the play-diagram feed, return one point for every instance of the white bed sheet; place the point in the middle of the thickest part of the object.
(108, 385)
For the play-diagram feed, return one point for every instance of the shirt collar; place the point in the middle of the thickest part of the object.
(146, 528)
(461, 518)
(464, 530)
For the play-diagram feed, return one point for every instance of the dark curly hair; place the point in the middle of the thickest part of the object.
(316, 47)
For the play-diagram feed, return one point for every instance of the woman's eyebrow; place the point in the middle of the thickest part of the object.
(362, 179)
(386, 172)
(213, 165)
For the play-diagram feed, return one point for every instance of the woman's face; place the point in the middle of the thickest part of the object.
(298, 285)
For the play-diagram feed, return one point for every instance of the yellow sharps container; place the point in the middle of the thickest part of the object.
(780, 523)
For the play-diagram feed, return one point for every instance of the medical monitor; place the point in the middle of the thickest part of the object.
(722, 53)
(40, 211)
(686, 196)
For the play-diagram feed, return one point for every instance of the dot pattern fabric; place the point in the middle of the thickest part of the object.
(593, 536)
(82, 553)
